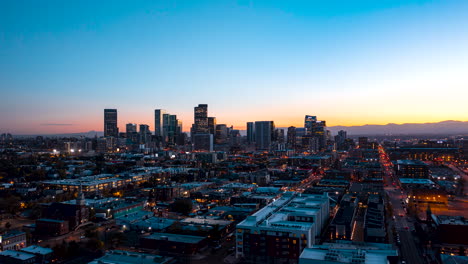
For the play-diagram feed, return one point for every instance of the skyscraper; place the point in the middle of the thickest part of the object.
(130, 128)
(291, 137)
(110, 123)
(221, 134)
(203, 142)
(145, 134)
(315, 129)
(172, 129)
(201, 119)
(263, 134)
(212, 125)
(309, 122)
(158, 122)
(340, 140)
(279, 135)
(132, 135)
(250, 132)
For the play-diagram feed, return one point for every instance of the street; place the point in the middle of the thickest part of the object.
(401, 221)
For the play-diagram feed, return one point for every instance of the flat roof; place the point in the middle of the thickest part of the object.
(371, 256)
(275, 215)
(17, 255)
(51, 220)
(175, 238)
(127, 257)
(37, 250)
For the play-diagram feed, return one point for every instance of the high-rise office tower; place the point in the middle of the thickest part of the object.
(315, 129)
(263, 134)
(145, 134)
(343, 135)
(132, 135)
(340, 140)
(279, 135)
(110, 123)
(131, 128)
(172, 129)
(158, 122)
(221, 134)
(234, 136)
(309, 122)
(203, 142)
(291, 137)
(212, 125)
(250, 132)
(201, 119)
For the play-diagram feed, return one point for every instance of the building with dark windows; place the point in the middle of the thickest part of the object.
(145, 134)
(171, 129)
(250, 132)
(110, 123)
(264, 131)
(291, 137)
(221, 134)
(132, 134)
(158, 122)
(173, 243)
(203, 142)
(51, 227)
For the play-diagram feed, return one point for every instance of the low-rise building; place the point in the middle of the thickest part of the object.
(43, 255)
(282, 229)
(12, 240)
(173, 243)
(16, 257)
(51, 227)
(349, 252)
(127, 257)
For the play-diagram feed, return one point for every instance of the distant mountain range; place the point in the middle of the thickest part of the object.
(89, 134)
(449, 127)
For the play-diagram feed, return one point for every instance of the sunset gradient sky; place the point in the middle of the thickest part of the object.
(348, 62)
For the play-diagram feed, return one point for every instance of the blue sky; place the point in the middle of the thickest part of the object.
(348, 62)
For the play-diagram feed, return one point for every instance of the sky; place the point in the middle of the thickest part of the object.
(347, 62)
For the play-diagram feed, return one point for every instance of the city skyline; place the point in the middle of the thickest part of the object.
(349, 63)
(65, 128)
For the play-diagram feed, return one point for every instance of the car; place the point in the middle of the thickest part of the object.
(82, 237)
(406, 227)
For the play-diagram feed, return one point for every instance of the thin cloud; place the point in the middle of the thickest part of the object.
(54, 124)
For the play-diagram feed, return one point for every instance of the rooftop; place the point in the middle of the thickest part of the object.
(175, 238)
(411, 162)
(348, 253)
(127, 257)
(17, 255)
(37, 250)
(275, 215)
